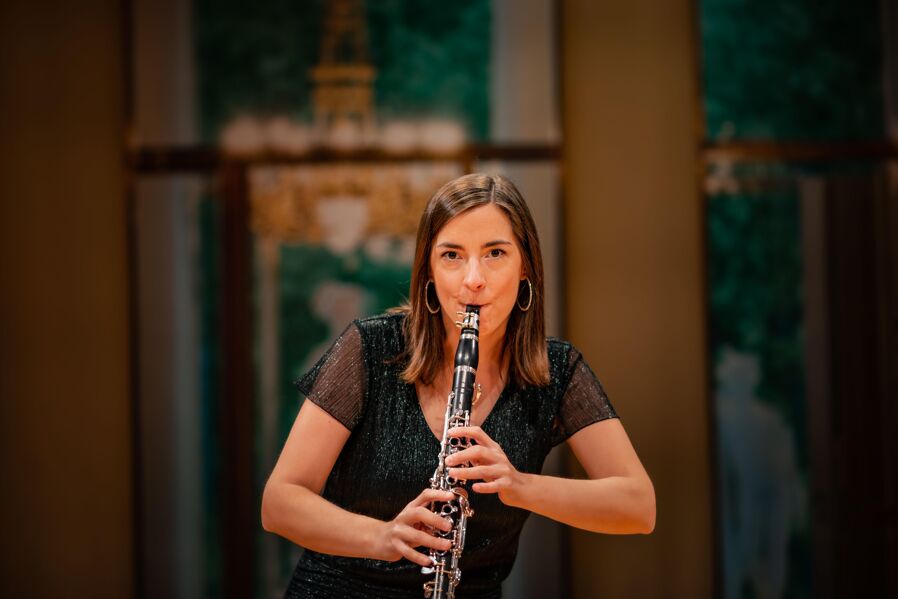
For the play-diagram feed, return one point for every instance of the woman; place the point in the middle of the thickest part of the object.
(348, 484)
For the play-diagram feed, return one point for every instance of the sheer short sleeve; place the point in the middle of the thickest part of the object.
(337, 383)
(584, 401)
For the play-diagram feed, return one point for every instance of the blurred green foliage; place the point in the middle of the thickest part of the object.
(756, 307)
(755, 278)
(432, 59)
(755, 282)
(792, 69)
(303, 269)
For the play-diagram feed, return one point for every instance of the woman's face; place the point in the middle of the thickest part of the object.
(476, 260)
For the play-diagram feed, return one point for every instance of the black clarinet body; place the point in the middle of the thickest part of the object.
(445, 570)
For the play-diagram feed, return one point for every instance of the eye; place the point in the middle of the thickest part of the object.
(450, 255)
(496, 253)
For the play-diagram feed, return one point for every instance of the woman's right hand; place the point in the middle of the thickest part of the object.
(410, 527)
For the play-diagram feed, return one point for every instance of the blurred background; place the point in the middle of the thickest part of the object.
(198, 196)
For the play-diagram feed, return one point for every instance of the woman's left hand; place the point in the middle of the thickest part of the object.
(488, 463)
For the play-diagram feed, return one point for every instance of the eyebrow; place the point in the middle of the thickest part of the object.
(455, 246)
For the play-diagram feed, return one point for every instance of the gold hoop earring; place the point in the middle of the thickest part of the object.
(427, 298)
(529, 299)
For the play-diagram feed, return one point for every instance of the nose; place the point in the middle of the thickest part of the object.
(474, 279)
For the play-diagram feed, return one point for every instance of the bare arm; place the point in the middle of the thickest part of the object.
(292, 506)
(618, 498)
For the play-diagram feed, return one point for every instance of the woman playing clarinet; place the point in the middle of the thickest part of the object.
(353, 482)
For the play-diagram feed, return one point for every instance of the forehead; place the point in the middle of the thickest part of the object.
(487, 222)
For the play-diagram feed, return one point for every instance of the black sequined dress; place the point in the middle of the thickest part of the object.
(391, 455)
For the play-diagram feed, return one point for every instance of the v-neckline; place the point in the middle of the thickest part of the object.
(423, 416)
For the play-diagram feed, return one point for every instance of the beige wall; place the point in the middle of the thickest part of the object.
(65, 503)
(634, 276)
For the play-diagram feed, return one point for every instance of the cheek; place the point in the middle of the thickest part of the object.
(445, 280)
(441, 274)
(508, 291)
(511, 282)
(506, 294)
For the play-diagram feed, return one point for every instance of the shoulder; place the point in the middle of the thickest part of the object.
(382, 334)
(564, 358)
(556, 345)
(559, 349)
(386, 323)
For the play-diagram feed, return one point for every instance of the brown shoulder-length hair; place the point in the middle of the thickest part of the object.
(525, 335)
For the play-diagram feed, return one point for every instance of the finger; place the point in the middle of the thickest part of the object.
(434, 520)
(417, 538)
(428, 495)
(412, 555)
(490, 487)
(471, 454)
(474, 473)
(473, 432)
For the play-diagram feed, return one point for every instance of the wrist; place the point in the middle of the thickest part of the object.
(520, 490)
(374, 539)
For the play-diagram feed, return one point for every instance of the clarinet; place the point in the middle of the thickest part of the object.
(445, 570)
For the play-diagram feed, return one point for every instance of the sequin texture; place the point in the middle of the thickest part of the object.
(391, 454)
